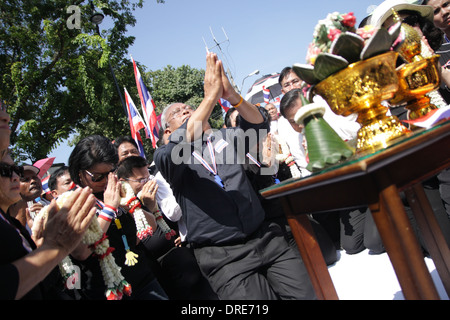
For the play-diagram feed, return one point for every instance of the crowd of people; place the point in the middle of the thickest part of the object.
(195, 226)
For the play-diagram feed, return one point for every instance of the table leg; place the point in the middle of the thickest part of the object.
(431, 232)
(401, 244)
(311, 254)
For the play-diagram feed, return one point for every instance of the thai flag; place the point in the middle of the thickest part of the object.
(148, 107)
(45, 186)
(266, 94)
(136, 122)
(226, 105)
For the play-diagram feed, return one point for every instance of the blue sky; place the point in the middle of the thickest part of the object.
(263, 34)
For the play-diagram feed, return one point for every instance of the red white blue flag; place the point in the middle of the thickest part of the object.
(148, 107)
(45, 186)
(266, 94)
(136, 122)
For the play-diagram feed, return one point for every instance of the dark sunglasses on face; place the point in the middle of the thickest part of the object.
(6, 170)
(97, 177)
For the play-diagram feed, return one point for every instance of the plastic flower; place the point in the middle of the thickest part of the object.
(366, 32)
(312, 53)
(333, 34)
(349, 20)
(328, 29)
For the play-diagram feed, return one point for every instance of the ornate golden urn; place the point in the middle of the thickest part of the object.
(360, 88)
(417, 77)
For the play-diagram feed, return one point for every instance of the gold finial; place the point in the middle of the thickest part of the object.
(395, 15)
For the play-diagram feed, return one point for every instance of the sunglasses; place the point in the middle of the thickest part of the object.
(97, 177)
(6, 170)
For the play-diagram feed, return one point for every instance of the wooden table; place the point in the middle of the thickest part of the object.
(376, 180)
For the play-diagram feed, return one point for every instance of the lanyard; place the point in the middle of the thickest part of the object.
(205, 164)
(276, 180)
(253, 160)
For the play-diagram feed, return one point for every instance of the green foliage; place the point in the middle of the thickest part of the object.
(183, 84)
(58, 81)
(169, 85)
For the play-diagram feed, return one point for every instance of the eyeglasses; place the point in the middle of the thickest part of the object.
(142, 181)
(97, 177)
(6, 170)
(292, 83)
(175, 113)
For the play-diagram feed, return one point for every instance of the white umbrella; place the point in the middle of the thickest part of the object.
(270, 81)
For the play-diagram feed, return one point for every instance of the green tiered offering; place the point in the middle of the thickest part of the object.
(324, 145)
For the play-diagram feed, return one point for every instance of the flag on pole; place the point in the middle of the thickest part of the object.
(266, 93)
(136, 122)
(148, 107)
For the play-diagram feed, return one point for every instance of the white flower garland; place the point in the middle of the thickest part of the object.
(68, 271)
(132, 202)
(96, 239)
(66, 266)
(169, 233)
(133, 205)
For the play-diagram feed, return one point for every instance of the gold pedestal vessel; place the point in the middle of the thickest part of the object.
(417, 77)
(360, 88)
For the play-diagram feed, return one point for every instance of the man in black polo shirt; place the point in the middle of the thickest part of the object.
(242, 256)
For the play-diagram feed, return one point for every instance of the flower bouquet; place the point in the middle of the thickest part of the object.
(354, 71)
(337, 44)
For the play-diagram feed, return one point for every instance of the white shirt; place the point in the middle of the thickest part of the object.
(168, 204)
(346, 127)
(294, 141)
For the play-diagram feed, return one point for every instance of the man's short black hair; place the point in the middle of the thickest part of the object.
(125, 168)
(55, 175)
(117, 142)
(288, 99)
(284, 73)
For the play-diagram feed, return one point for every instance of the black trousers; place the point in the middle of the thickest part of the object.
(358, 232)
(262, 268)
